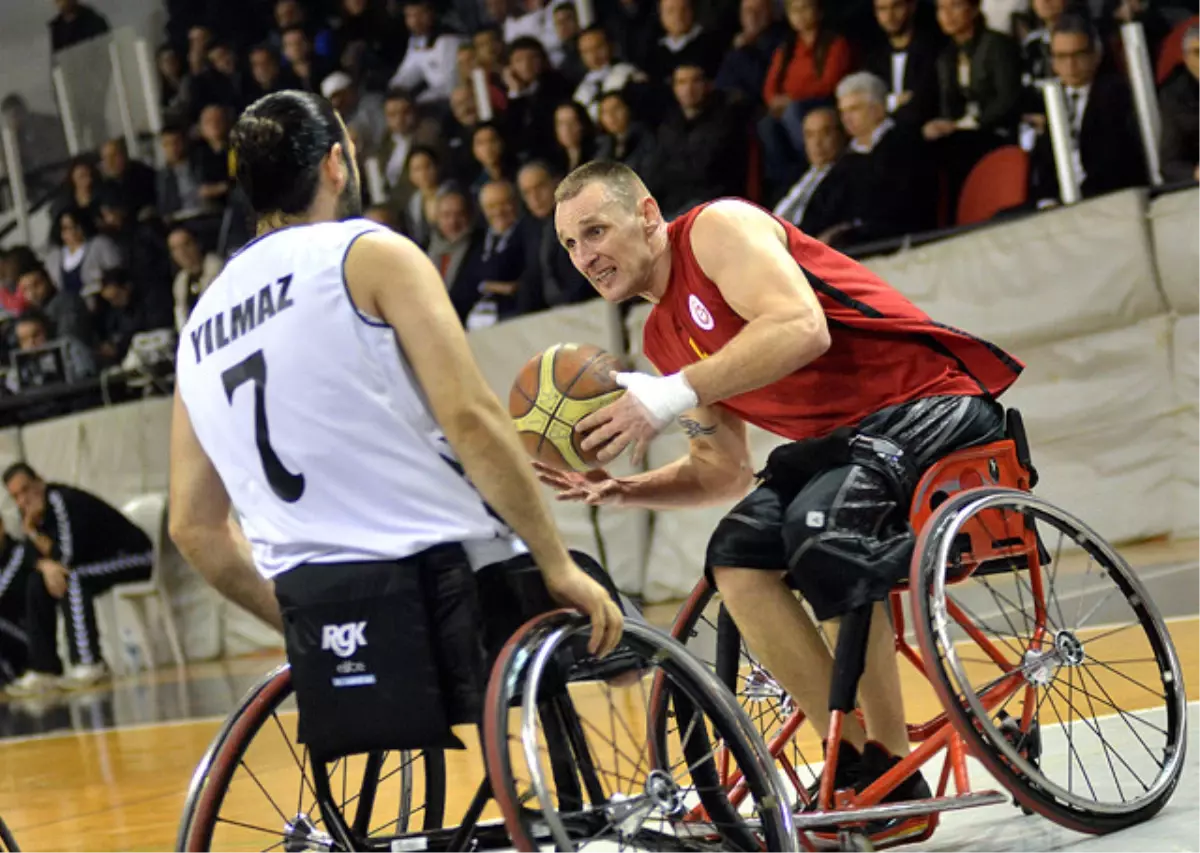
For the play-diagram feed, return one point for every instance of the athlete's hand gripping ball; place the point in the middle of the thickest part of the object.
(652, 403)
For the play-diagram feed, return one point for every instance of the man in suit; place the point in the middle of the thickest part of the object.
(1106, 149)
(820, 200)
(176, 186)
(456, 248)
(685, 42)
(1179, 105)
(550, 278)
(494, 296)
(132, 179)
(979, 91)
(892, 187)
(905, 58)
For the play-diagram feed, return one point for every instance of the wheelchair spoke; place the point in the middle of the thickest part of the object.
(1150, 690)
(1109, 750)
(999, 635)
(302, 766)
(262, 788)
(1072, 751)
(1054, 563)
(250, 826)
(1125, 715)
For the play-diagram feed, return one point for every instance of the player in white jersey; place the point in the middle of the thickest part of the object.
(326, 391)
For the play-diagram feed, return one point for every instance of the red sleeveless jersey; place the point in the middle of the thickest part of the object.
(883, 349)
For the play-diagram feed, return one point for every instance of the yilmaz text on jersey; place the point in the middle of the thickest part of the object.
(227, 326)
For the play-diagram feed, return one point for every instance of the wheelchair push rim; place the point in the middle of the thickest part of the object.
(308, 825)
(593, 792)
(1058, 658)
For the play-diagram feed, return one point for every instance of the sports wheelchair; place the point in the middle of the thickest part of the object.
(1033, 635)
(573, 751)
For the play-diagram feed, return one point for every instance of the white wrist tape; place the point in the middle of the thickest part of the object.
(664, 397)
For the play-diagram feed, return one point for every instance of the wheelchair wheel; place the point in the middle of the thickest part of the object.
(707, 630)
(579, 761)
(256, 787)
(7, 842)
(1056, 668)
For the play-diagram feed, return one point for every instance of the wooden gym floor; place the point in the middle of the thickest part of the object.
(109, 769)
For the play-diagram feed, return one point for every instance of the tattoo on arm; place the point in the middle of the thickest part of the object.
(695, 429)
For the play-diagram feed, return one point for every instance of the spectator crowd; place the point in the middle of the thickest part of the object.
(857, 121)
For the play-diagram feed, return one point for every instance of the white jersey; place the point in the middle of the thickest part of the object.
(313, 419)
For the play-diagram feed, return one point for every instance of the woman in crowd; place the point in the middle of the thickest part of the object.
(79, 255)
(81, 190)
(491, 155)
(623, 140)
(804, 73)
(424, 173)
(575, 134)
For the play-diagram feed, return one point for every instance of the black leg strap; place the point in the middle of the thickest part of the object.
(850, 658)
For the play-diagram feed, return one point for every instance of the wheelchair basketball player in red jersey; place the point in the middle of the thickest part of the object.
(756, 322)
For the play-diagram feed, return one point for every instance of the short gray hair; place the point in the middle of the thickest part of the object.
(863, 83)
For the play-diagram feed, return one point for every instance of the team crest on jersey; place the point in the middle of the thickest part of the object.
(700, 314)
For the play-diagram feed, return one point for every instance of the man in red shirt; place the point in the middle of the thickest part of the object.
(756, 322)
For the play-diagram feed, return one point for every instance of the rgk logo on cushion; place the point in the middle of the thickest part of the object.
(343, 640)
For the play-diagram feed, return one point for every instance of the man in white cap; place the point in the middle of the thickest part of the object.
(362, 112)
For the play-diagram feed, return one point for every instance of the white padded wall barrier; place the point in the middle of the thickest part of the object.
(1060, 274)
(1186, 387)
(1174, 224)
(117, 453)
(1074, 386)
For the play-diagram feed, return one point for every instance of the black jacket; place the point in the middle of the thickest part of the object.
(1179, 103)
(87, 24)
(1110, 146)
(86, 531)
(893, 186)
(702, 158)
(529, 122)
(920, 73)
(995, 81)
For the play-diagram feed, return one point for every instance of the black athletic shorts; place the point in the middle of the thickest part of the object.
(841, 531)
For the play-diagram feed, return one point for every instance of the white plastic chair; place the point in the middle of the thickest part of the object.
(148, 512)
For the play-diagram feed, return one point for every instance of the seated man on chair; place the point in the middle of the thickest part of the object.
(17, 563)
(756, 322)
(84, 546)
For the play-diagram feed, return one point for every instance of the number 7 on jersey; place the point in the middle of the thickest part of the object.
(253, 368)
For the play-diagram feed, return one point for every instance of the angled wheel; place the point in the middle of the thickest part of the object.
(1054, 666)
(573, 762)
(255, 788)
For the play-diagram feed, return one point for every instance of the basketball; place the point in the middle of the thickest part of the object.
(555, 390)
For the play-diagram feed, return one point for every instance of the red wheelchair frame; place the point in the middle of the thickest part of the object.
(1002, 463)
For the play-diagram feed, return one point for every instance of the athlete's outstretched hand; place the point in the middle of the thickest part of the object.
(595, 488)
(574, 588)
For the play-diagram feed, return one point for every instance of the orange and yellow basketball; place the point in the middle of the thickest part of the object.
(554, 391)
